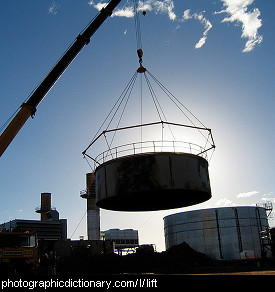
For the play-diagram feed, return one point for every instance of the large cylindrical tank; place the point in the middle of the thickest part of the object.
(152, 181)
(229, 233)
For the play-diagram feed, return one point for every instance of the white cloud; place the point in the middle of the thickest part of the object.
(200, 43)
(124, 12)
(186, 14)
(97, 6)
(247, 194)
(159, 7)
(53, 9)
(268, 197)
(206, 24)
(145, 6)
(224, 203)
(237, 10)
(164, 6)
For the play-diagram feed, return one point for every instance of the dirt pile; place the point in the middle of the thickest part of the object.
(178, 259)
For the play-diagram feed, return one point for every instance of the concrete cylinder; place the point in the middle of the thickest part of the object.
(93, 213)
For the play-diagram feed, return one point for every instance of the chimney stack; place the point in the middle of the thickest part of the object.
(93, 213)
(45, 206)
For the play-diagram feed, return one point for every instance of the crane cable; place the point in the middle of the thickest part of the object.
(138, 31)
(78, 224)
(2, 128)
(143, 70)
(113, 110)
(178, 104)
(124, 97)
(128, 90)
(137, 25)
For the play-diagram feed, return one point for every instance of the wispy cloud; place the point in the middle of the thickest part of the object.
(166, 6)
(224, 203)
(53, 9)
(238, 12)
(160, 7)
(268, 197)
(206, 24)
(124, 12)
(97, 6)
(247, 194)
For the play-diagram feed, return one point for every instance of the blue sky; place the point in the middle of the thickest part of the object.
(216, 56)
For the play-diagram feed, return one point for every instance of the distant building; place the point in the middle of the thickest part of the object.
(126, 239)
(45, 230)
(49, 230)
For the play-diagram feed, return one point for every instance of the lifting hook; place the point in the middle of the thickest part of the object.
(141, 69)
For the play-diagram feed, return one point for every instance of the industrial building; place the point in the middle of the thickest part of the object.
(49, 228)
(45, 230)
(83, 247)
(124, 240)
(228, 233)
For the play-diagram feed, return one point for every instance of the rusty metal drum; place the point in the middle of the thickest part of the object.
(152, 181)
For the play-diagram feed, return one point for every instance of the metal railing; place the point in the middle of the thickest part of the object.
(149, 147)
(40, 208)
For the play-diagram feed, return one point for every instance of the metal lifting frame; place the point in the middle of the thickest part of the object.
(150, 124)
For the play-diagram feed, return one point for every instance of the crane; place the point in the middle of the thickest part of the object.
(28, 108)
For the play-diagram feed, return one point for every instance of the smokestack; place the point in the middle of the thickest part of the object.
(93, 213)
(45, 206)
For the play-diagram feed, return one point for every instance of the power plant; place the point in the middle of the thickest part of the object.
(206, 237)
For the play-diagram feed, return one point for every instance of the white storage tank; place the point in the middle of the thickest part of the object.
(228, 233)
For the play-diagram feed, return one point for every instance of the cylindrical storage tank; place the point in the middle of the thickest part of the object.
(228, 233)
(152, 181)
